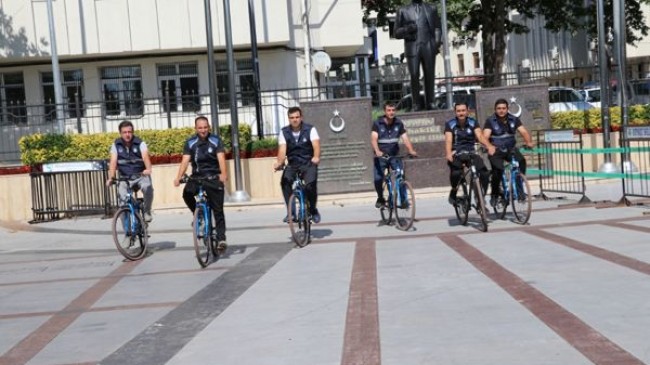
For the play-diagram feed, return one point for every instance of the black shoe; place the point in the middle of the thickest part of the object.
(285, 219)
(315, 216)
(452, 197)
(380, 203)
(493, 200)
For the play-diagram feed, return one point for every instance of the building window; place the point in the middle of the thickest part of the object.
(72, 87)
(178, 86)
(243, 78)
(461, 64)
(477, 60)
(12, 99)
(122, 90)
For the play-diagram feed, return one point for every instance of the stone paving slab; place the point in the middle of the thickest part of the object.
(571, 287)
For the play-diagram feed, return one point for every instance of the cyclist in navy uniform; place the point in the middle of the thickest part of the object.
(130, 156)
(299, 143)
(461, 134)
(500, 129)
(384, 139)
(206, 153)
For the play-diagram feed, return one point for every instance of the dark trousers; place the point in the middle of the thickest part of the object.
(426, 56)
(214, 190)
(381, 164)
(498, 160)
(456, 170)
(309, 173)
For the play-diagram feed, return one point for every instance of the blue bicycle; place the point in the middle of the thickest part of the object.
(299, 212)
(401, 200)
(129, 227)
(204, 233)
(515, 191)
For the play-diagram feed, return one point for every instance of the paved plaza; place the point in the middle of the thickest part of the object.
(570, 287)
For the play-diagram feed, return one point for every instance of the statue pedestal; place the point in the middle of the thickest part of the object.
(426, 130)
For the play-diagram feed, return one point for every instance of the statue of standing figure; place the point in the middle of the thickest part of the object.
(419, 25)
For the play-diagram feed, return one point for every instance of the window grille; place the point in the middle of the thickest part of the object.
(122, 91)
(178, 85)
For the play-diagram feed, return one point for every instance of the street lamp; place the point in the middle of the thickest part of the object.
(239, 195)
(608, 166)
(56, 73)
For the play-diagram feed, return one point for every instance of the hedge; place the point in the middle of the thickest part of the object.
(589, 120)
(43, 148)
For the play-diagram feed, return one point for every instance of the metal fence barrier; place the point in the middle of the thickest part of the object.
(561, 163)
(636, 162)
(70, 189)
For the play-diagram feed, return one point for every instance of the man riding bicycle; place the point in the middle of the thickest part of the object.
(299, 143)
(206, 153)
(130, 156)
(461, 134)
(384, 139)
(500, 130)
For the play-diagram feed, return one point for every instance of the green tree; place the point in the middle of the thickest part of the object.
(490, 18)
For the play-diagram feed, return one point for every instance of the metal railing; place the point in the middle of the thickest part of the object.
(561, 163)
(635, 141)
(57, 195)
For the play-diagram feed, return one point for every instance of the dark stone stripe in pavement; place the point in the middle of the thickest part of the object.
(601, 253)
(94, 309)
(165, 338)
(631, 227)
(67, 258)
(36, 341)
(591, 343)
(361, 344)
(151, 273)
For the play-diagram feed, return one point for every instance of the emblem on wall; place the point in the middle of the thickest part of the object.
(513, 103)
(337, 123)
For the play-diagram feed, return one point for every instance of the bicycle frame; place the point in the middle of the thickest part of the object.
(393, 177)
(201, 200)
(134, 205)
(298, 188)
(509, 178)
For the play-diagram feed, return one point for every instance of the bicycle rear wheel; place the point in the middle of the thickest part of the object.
(386, 210)
(129, 234)
(521, 199)
(201, 236)
(299, 223)
(405, 209)
(479, 202)
(462, 204)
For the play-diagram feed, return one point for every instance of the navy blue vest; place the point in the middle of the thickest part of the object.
(464, 137)
(388, 136)
(503, 135)
(129, 160)
(204, 155)
(299, 151)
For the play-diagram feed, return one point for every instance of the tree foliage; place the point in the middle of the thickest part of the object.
(490, 18)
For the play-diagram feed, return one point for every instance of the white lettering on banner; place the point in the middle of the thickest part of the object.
(558, 136)
(642, 132)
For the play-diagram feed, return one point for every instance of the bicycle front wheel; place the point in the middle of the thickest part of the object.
(503, 201)
(462, 204)
(299, 223)
(521, 200)
(386, 210)
(479, 202)
(201, 235)
(129, 234)
(405, 209)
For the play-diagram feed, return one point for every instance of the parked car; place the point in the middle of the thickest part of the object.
(466, 95)
(561, 99)
(591, 96)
